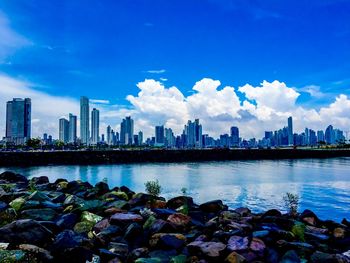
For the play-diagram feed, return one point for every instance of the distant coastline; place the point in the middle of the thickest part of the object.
(38, 158)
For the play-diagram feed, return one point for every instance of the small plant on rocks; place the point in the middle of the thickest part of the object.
(184, 190)
(291, 202)
(153, 187)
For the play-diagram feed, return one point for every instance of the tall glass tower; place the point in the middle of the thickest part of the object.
(84, 120)
(95, 126)
(18, 120)
(290, 131)
(72, 138)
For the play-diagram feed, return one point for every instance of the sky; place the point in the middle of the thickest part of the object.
(249, 64)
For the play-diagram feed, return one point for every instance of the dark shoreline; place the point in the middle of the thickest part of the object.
(38, 158)
(74, 221)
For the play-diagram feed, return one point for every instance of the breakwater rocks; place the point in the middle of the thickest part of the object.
(77, 222)
(33, 158)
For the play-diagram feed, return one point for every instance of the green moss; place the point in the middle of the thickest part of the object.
(298, 231)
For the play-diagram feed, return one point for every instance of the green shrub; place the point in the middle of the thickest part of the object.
(184, 190)
(291, 202)
(153, 187)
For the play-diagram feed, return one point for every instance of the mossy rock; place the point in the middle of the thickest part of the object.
(17, 203)
(148, 260)
(7, 187)
(298, 231)
(90, 217)
(7, 216)
(150, 220)
(83, 227)
(62, 185)
(92, 205)
(120, 195)
(12, 256)
(178, 259)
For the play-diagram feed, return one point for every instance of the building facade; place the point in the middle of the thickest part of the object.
(18, 120)
(95, 126)
(84, 121)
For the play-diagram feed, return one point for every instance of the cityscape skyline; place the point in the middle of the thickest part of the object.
(18, 131)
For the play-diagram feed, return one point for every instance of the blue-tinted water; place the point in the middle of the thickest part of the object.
(322, 184)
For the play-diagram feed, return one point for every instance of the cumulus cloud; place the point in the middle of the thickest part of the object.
(260, 108)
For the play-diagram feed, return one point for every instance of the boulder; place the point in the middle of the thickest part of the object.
(234, 257)
(125, 218)
(67, 221)
(209, 249)
(40, 180)
(101, 188)
(214, 206)
(243, 211)
(237, 243)
(179, 201)
(44, 214)
(42, 255)
(167, 241)
(11, 177)
(309, 217)
(179, 219)
(25, 231)
(133, 231)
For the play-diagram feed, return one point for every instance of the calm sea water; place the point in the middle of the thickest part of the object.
(322, 184)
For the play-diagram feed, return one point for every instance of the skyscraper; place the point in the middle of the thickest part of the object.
(320, 136)
(329, 135)
(18, 120)
(72, 137)
(159, 135)
(140, 138)
(235, 136)
(95, 126)
(193, 134)
(290, 131)
(63, 130)
(84, 120)
(127, 131)
(109, 135)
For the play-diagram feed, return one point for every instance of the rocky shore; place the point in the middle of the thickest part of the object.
(76, 222)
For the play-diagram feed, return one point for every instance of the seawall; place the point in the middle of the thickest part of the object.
(142, 156)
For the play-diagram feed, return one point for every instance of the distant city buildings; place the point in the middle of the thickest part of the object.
(84, 120)
(18, 121)
(63, 130)
(18, 131)
(127, 131)
(72, 131)
(95, 126)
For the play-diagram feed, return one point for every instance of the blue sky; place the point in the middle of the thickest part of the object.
(102, 49)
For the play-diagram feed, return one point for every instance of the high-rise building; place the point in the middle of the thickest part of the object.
(109, 135)
(140, 138)
(329, 135)
(95, 126)
(18, 120)
(127, 131)
(235, 136)
(193, 134)
(63, 130)
(72, 128)
(320, 136)
(169, 137)
(290, 131)
(159, 135)
(84, 120)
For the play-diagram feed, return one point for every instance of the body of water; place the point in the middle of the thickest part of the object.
(322, 184)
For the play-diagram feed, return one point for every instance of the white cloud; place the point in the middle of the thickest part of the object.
(96, 101)
(313, 90)
(265, 107)
(156, 71)
(163, 79)
(46, 109)
(9, 39)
